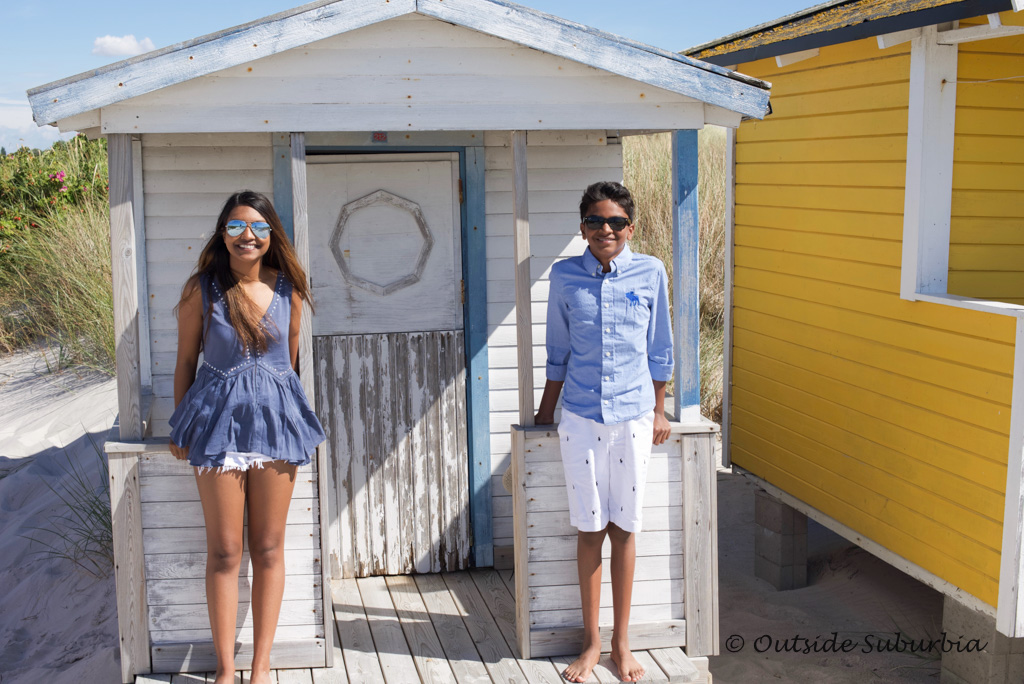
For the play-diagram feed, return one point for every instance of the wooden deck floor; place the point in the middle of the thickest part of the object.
(456, 628)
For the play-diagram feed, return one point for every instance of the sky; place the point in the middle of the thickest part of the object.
(47, 41)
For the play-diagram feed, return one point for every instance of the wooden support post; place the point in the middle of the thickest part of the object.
(125, 283)
(139, 216)
(478, 404)
(700, 545)
(129, 566)
(686, 276)
(730, 263)
(300, 226)
(299, 215)
(282, 165)
(521, 256)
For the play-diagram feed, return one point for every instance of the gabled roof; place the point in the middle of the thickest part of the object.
(318, 20)
(835, 22)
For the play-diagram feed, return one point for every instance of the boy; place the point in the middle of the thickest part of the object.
(609, 342)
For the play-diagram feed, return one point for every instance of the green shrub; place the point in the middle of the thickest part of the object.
(55, 252)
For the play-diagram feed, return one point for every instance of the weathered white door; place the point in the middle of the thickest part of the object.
(385, 264)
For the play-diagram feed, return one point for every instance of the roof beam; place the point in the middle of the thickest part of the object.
(794, 57)
(980, 32)
(899, 37)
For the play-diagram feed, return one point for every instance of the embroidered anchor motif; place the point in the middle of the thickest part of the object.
(633, 299)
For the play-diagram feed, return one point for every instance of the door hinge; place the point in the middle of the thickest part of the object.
(462, 200)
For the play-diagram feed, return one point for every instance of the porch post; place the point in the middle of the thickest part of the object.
(300, 228)
(686, 276)
(125, 283)
(300, 232)
(521, 255)
(125, 506)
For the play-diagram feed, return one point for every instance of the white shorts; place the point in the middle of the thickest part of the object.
(605, 470)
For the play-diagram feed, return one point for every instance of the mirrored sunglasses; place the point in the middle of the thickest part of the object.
(617, 223)
(236, 227)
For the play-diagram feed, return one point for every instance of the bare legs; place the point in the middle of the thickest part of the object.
(588, 564)
(270, 491)
(223, 495)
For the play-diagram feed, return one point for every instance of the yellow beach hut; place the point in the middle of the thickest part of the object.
(875, 339)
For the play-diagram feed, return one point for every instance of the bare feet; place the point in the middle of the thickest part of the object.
(629, 669)
(225, 677)
(579, 670)
(260, 676)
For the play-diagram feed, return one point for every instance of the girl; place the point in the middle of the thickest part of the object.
(243, 422)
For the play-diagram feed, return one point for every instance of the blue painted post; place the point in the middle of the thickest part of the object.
(283, 182)
(686, 275)
(477, 399)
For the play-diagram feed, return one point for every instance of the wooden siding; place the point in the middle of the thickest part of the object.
(406, 74)
(174, 542)
(891, 417)
(675, 594)
(560, 166)
(986, 251)
(186, 180)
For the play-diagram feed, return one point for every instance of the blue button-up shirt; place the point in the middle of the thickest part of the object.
(609, 334)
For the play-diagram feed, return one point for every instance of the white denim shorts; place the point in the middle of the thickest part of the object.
(605, 470)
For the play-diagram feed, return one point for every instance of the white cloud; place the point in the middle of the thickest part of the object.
(17, 127)
(121, 46)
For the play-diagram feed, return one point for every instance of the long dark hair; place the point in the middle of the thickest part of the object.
(214, 262)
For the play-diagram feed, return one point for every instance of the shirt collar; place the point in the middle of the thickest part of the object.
(592, 265)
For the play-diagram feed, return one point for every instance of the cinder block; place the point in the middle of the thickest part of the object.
(776, 516)
(779, 576)
(999, 663)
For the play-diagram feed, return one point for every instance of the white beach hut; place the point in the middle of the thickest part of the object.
(412, 147)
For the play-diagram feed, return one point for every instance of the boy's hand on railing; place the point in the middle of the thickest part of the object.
(544, 418)
(662, 429)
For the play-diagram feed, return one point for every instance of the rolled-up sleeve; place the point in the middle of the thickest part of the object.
(659, 332)
(557, 339)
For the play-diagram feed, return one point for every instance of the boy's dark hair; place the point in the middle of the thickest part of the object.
(608, 190)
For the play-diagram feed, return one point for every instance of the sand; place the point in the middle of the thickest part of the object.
(59, 625)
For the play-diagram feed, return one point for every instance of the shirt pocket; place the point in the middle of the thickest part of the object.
(638, 303)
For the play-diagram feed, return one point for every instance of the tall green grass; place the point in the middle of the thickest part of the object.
(647, 171)
(55, 283)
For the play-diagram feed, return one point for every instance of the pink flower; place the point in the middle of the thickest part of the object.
(64, 188)
(60, 175)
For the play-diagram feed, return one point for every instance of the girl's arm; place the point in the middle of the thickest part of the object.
(293, 331)
(190, 333)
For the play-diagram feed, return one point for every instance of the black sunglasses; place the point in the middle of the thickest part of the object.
(617, 223)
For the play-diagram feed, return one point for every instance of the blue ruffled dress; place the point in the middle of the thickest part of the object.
(242, 400)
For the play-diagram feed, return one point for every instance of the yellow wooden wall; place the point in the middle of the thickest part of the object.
(986, 251)
(890, 416)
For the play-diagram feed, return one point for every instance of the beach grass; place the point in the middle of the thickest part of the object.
(55, 283)
(647, 171)
(81, 533)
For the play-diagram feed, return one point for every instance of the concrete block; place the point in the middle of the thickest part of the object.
(782, 577)
(998, 663)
